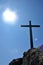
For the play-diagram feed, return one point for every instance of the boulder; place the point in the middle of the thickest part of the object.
(31, 57)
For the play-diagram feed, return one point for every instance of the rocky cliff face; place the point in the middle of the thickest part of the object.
(31, 57)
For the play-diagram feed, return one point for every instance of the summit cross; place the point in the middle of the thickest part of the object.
(30, 27)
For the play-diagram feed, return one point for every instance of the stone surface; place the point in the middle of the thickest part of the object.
(31, 57)
(16, 61)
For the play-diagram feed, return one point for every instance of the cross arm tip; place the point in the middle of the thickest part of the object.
(21, 25)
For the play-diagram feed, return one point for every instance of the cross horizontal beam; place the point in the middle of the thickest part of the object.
(30, 25)
(31, 36)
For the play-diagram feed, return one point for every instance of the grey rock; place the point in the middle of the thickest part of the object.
(16, 61)
(31, 57)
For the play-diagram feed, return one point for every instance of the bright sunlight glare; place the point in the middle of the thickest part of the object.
(9, 16)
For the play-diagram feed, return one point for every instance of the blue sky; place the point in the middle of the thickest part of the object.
(14, 40)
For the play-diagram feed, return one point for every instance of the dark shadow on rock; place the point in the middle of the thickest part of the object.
(16, 61)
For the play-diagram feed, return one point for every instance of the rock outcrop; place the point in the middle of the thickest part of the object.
(16, 61)
(31, 57)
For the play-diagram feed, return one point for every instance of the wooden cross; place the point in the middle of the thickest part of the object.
(30, 27)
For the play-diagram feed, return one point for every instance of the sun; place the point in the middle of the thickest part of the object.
(9, 16)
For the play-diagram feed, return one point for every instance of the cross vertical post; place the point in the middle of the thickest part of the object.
(30, 27)
(31, 38)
